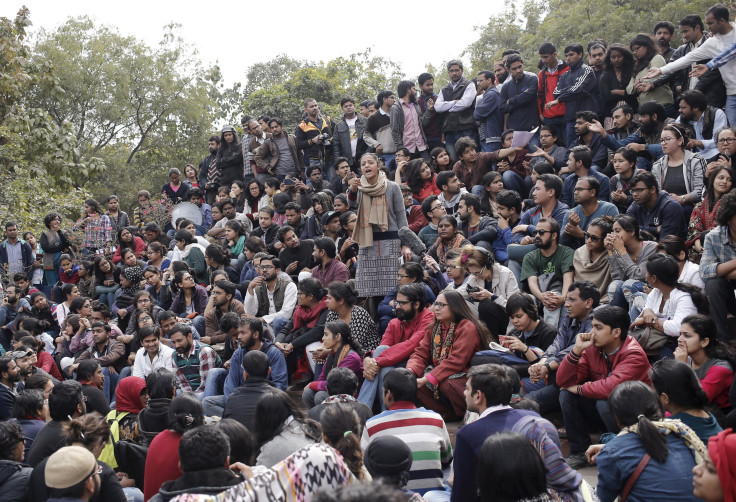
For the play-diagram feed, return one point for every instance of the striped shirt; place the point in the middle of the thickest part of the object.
(424, 432)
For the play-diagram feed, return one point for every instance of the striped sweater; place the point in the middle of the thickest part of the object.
(424, 432)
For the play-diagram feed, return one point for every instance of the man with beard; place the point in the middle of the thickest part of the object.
(211, 172)
(314, 138)
(587, 208)
(499, 69)
(552, 263)
(294, 217)
(457, 102)
(408, 121)
(238, 384)
(296, 253)
(480, 230)
(72, 474)
(452, 189)
(663, 33)
(433, 128)
(580, 165)
(349, 134)
(12, 301)
(701, 121)
(328, 269)
(655, 211)
(222, 300)
(197, 365)
(270, 299)
(401, 337)
(108, 352)
(588, 138)
(9, 377)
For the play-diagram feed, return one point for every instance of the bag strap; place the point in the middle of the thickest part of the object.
(634, 477)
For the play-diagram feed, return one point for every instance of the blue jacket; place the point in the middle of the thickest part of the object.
(489, 114)
(671, 480)
(530, 217)
(578, 88)
(279, 374)
(667, 213)
(519, 100)
(27, 256)
(568, 187)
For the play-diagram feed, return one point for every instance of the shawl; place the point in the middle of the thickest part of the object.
(441, 349)
(331, 363)
(294, 479)
(597, 272)
(702, 219)
(308, 317)
(372, 210)
(682, 431)
(237, 249)
(188, 248)
(442, 250)
(722, 448)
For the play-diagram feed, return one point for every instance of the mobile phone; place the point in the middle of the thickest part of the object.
(473, 289)
(288, 181)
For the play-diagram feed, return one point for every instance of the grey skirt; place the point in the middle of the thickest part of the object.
(377, 268)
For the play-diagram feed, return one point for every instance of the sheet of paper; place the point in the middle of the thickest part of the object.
(522, 138)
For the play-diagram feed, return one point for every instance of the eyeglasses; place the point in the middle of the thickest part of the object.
(454, 267)
(479, 272)
(593, 238)
(144, 300)
(541, 233)
(726, 141)
(401, 303)
(638, 190)
(581, 189)
(435, 208)
(439, 305)
(267, 267)
(253, 189)
(664, 141)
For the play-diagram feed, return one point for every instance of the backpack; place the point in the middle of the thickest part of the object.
(108, 452)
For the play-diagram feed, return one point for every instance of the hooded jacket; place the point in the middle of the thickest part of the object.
(14, 478)
(577, 88)
(667, 213)
(207, 482)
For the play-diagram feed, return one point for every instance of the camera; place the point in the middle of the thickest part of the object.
(472, 289)
(325, 139)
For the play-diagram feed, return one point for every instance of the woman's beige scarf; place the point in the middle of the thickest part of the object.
(372, 210)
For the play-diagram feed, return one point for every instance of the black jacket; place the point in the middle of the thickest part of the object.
(48, 440)
(14, 478)
(210, 482)
(241, 405)
(270, 233)
(96, 400)
(153, 419)
(341, 140)
(110, 489)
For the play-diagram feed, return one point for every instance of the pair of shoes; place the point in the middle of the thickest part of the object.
(299, 384)
(562, 433)
(577, 460)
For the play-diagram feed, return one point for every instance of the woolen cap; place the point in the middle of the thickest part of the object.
(387, 456)
(68, 466)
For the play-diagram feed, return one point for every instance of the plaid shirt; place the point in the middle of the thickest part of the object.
(201, 357)
(718, 249)
(97, 233)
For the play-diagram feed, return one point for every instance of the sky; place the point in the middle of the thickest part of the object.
(237, 34)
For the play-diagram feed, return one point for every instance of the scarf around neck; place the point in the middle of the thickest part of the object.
(373, 210)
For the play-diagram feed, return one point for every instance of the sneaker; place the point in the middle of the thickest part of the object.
(577, 460)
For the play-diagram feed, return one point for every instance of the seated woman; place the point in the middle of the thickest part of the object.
(282, 428)
(128, 239)
(673, 449)
(667, 304)
(628, 255)
(160, 292)
(190, 299)
(341, 302)
(255, 200)
(712, 360)
(513, 169)
(321, 204)
(531, 335)
(448, 237)
(420, 179)
(457, 276)
(341, 430)
(713, 477)
(624, 163)
(68, 293)
(252, 246)
(131, 396)
(683, 398)
(443, 356)
(86, 282)
(345, 352)
(726, 141)
(129, 259)
(550, 151)
(590, 261)
(492, 186)
(235, 236)
(347, 248)
(703, 217)
(130, 284)
(439, 160)
(107, 280)
(490, 285)
(689, 271)
(217, 261)
(157, 256)
(410, 272)
(192, 254)
(303, 333)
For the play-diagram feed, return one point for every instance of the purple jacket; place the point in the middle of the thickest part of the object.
(179, 306)
(352, 361)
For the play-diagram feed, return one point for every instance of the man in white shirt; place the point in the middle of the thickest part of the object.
(270, 298)
(458, 100)
(153, 354)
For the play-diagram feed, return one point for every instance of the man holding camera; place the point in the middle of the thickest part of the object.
(314, 138)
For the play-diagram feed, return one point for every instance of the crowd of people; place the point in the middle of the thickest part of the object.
(557, 244)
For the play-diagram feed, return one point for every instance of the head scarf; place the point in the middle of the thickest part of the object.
(388, 456)
(722, 449)
(134, 275)
(128, 395)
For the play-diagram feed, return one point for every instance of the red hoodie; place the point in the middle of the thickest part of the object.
(547, 85)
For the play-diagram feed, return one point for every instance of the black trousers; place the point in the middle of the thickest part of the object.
(722, 302)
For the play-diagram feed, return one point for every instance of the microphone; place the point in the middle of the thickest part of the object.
(410, 240)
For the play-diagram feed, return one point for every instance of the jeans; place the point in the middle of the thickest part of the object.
(107, 295)
(328, 170)
(278, 322)
(546, 396)
(452, 137)
(111, 383)
(370, 388)
(621, 292)
(512, 181)
(477, 190)
(731, 109)
(214, 406)
(213, 385)
(493, 146)
(722, 302)
(388, 158)
(578, 412)
(516, 256)
(312, 398)
(199, 324)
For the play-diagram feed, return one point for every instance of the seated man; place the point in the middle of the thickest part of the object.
(422, 430)
(266, 229)
(702, 122)
(580, 164)
(109, 353)
(488, 392)
(597, 363)
(588, 207)
(718, 265)
(328, 269)
(480, 230)
(241, 403)
(401, 337)
(270, 299)
(204, 454)
(433, 210)
(508, 205)
(153, 354)
(222, 301)
(296, 254)
(197, 365)
(342, 385)
(414, 215)
(655, 211)
(548, 270)
(586, 137)
(452, 189)
(541, 384)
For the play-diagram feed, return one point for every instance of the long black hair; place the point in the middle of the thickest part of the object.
(343, 329)
(627, 68)
(272, 410)
(666, 269)
(253, 201)
(460, 311)
(679, 382)
(635, 403)
(643, 40)
(710, 191)
(706, 329)
(413, 175)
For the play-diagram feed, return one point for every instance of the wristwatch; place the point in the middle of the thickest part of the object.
(546, 365)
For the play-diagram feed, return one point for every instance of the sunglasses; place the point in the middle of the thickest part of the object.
(541, 233)
(593, 238)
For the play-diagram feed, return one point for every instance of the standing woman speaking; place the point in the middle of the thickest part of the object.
(380, 215)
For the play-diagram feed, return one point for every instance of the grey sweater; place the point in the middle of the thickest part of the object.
(291, 439)
(623, 268)
(395, 204)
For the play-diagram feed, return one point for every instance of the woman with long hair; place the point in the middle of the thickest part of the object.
(129, 259)
(53, 244)
(668, 302)
(666, 449)
(156, 253)
(439, 160)
(281, 428)
(342, 304)
(443, 355)
(712, 360)
(218, 261)
(618, 69)
(492, 185)
(590, 261)
(381, 214)
(128, 239)
(235, 236)
(448, 237)
(107, 281)
(237, 194)
(682, 396)
(229, 157)
(341, 429)
(69, 292)
(624, 163)
(321, 204)
(703, 217)
(190, 298)
(628, 255)
(419, 178)
(255, 199)
(645, 54)
(192, 253)
(676, 248)
(97, 229)
(549, 150)
(191, 176)
(345, 352)
(679, 172)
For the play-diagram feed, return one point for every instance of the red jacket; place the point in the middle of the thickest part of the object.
(464, 346)
(416, 219)
(592, 372)
(547, 85)
(140, 249)
(403, 337)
